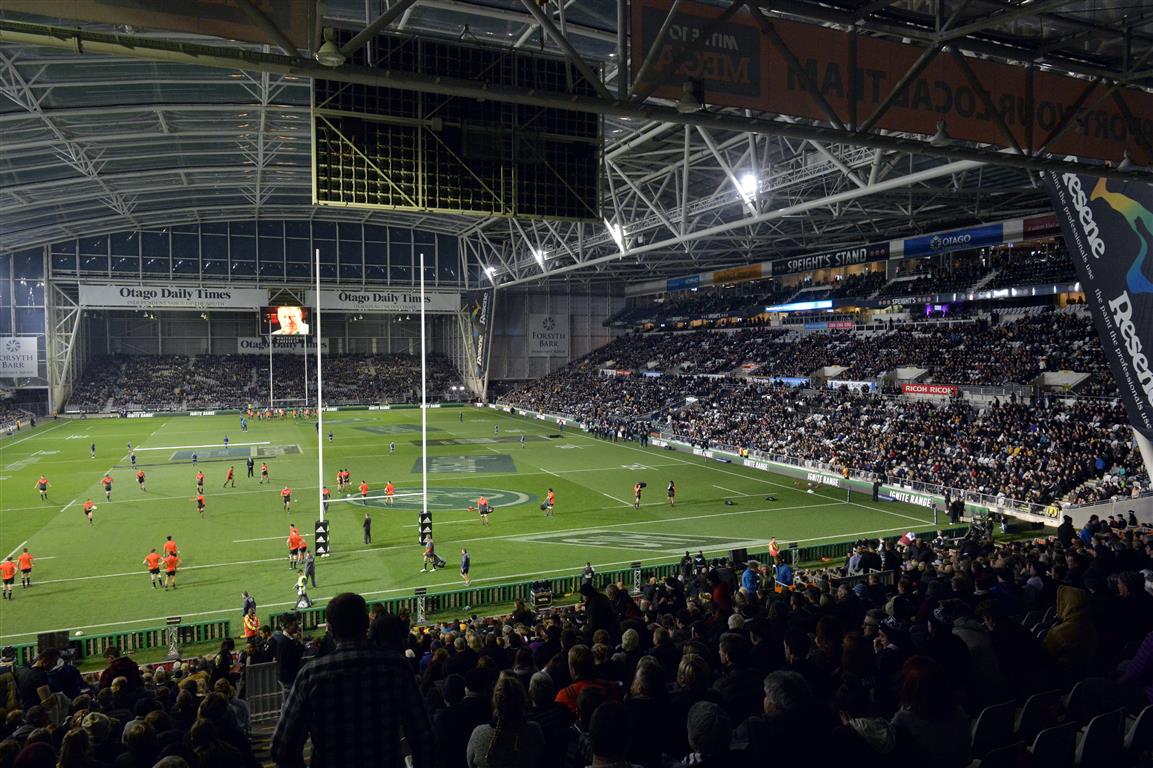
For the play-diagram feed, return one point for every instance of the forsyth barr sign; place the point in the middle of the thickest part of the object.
(548, 336)
(171, 297)
(18, 355)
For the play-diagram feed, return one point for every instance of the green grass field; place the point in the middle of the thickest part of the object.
(91, 578)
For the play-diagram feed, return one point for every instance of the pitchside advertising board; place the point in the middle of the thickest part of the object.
(171, 297)
(391, 301)
(1108, 227)
(18, 356)
(548, 336)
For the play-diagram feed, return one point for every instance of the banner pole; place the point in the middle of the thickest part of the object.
(270, 403)
(423, 397)
(1146, 449)
(319, 395)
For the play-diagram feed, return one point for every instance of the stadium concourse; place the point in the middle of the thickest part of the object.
(576, 384)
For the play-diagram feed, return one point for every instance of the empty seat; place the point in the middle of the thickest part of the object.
(1032, 619)
(1009, 756)
(1054, 747)
(1139, 740)
(1100, 745)
(1038, 713)
(1082, 704)
(993, 728)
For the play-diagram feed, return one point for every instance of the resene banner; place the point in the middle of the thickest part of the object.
(1108, 228)
(398, 300)
(18, 356)
(171, 297)
(745, 63)
(548, 336)
(480, 314)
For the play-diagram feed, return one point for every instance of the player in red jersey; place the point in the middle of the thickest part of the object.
(389, 490)
(89, 508)
(152, 560)
(363, 488)
(170, 547)
(42, 486)
(326, 495)
(25, 563)
(294, 541)
(107, 481)
(200, 504)
(199, 482)
(230, 478)
(8, 575)
(264, 473)
(170, 564)
(140, 479)
(286, 497)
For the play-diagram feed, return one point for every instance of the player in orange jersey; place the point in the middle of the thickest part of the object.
(89, 508)
(389, 491)
(199, 482)
(200, 504)
(363, 488)
(8, 575)
(42, 486)
(170, 564)
(326, 496)
(230, 478)
(286, 497)
(264, 473)
(140, 479)
(107, 481)
(152, 560)
(170, 547)
(294, 541)
(549, 503)
(25, 563)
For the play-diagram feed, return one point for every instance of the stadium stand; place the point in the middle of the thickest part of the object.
(959, 648)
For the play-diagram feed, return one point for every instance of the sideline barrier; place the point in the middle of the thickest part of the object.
(262, 691)
(94, 646)
(467, 601)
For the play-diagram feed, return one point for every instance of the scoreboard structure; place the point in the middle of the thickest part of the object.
(386, 148)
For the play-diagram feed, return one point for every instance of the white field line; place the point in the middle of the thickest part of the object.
(187, 447)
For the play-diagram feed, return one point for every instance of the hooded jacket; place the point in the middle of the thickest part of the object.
(1073, 642)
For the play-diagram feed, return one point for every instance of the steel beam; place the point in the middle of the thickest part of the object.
(380, 22)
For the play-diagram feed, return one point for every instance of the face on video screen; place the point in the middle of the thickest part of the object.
(288, 321)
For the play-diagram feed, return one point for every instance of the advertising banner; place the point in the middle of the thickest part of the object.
(292, 345)
(1108, 228)
(480, 313)
(548, 336)
(740, 64)
(683, 283)
(738, 274)
(936, 390)
(845, 257)
(957, 240)
(839, 384)
(384, 300)
(18, 356)
(171, 297)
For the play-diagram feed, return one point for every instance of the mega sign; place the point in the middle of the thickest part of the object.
(744, 62)
(171, 297)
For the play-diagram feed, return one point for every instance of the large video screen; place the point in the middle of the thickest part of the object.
(287, 320)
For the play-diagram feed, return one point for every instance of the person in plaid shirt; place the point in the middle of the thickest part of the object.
(355, 703)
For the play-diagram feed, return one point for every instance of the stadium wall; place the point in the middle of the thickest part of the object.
(514, 354)
(24, 313)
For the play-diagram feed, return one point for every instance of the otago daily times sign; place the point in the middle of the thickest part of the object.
(1108, 227)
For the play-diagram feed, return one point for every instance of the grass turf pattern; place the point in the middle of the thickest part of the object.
(92, 578)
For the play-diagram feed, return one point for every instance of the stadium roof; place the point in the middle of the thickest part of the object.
(109, 127)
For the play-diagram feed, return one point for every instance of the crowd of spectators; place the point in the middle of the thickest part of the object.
(1048, 263)
(724, 664)
(178, 382)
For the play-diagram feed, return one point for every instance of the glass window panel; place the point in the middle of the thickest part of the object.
(63, 263)
(30, 321)
(96, 246)
(154, 244)
(5, 322)
(376, 273)
(349, 232)
(94, 264)
(297, 250)
(214, 267)
(243, 268)
(398, 235)
(297, 269)
(323, 230)
(214, 228)
(375, 254)
(186, 266)
(242, 248)
(327, 250)
(185, 246)
(447, 258)
(299, 229)
(270, 229)
(28, 292)
(400, 263)
(156, 265)
(28, 264)
(214, 247)
(271, 268)
(375, 233)
(126, 265)
(64, 248)
(242, 228)
(125, 244)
